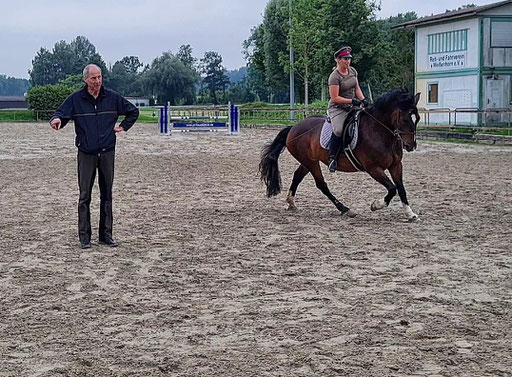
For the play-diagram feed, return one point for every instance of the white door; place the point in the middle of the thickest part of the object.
(494, 93)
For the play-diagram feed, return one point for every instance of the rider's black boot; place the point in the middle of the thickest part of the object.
(334, 147)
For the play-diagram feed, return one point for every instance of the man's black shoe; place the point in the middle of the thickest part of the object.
(108, 241)
(85, 244)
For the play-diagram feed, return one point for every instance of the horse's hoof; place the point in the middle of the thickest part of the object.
(349, 213)
(413, 219)
(292, 208)
(377, 204)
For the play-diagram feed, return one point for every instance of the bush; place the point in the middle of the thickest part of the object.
(75, 82)
(319, 104)
(44, 100)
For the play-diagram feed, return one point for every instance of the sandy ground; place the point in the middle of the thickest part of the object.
(211, 278)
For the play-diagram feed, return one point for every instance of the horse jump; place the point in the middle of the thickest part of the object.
(224, 120)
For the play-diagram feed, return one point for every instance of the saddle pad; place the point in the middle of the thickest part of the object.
(325, 135)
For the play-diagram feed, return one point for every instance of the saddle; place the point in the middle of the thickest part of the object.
(349, 136)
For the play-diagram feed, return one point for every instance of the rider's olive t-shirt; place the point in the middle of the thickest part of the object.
(347, 85)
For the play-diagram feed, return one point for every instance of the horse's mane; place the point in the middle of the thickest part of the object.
(388, 102)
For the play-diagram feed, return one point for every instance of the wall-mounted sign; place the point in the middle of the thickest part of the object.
(447, 60)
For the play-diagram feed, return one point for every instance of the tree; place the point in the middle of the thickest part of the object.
(237, 75)
(348, 23)
(185, 56)
(124, 75)
(215, 78)
(466, 6)
(255, 57)
(275, 44)
(85, 53)
(10, 86)
(131, 64)
(65, 59)
(171, 80)
(395, 68)
(263, 49)
(240, 92)
(319, 28)
(74, 82)
(305, 38)
(42, 72)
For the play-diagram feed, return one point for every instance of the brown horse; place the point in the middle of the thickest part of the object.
(385, 129)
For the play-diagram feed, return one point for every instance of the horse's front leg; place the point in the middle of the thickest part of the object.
(396, 172)
(380, 176)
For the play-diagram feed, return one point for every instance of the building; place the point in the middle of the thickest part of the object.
(13, 102)
(463, 61)
(139, 102)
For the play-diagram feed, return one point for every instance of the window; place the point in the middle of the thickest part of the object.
(432, 90)
(501, 33)
(450, 41)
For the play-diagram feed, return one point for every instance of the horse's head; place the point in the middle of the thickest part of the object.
(403, 122)
(397, 109)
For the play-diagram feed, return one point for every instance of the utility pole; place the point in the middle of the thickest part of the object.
(292, 79)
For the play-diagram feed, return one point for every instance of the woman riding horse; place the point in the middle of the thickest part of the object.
(344, 92)
(385, 129)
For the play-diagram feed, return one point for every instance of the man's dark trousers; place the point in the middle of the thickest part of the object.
(87, 165)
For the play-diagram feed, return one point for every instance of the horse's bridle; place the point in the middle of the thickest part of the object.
(397, 133)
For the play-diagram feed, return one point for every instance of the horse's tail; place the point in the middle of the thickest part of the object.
(269, 169)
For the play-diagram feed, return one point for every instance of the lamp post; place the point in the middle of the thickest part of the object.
(292, 80)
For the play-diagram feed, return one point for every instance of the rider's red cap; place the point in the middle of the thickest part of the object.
(344, 52)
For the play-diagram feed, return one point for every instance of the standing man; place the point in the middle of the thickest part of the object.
(95, 110)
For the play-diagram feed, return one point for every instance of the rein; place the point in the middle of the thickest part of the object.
(396, 133)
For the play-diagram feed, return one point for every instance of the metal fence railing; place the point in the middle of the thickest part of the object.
(24, 115)
(278, 115)
(283, 114)
(466, 117)
(459, 117)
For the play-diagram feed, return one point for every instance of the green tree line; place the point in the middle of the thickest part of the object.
(11, 86)
(171, 77)
(383, 58)
(314, 28)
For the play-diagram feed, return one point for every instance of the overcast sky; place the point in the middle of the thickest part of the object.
(146, 28)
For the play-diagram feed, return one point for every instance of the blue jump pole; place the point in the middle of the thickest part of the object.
(234, 119)
(164, 120)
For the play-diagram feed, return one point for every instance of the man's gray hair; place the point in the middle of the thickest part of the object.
(87, 68)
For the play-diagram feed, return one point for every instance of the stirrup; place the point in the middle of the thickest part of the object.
(333, 165)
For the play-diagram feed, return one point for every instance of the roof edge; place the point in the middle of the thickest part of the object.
(456, 14)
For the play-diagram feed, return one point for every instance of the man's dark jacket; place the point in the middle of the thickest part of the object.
(95, 119)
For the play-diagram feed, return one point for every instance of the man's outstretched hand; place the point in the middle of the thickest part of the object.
(55, 124)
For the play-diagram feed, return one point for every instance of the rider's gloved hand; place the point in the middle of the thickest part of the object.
(356, 102)
(365, 103)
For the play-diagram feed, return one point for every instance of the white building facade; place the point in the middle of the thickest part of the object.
(463, 62)
(139, 102)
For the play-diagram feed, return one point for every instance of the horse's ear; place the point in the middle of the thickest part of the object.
(417, 98)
